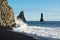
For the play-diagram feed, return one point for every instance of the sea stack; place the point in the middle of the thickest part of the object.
(6, 15)
(41, 20)
(21, 16)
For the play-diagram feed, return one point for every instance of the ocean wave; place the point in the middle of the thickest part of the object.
(37, 31)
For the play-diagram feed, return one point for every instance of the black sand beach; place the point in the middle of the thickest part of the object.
(10, 35)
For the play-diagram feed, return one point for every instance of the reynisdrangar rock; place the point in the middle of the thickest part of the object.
(41, 20)
(6, 14)
(21, 16)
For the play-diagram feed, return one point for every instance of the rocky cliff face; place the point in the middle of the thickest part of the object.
(6, 14)
(21, 16)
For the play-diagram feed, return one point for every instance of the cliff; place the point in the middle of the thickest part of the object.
(6, 15)
(21, 16)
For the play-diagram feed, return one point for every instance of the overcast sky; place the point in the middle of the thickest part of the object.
(33, 8)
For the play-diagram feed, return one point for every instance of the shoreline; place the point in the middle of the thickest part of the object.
(12, 35)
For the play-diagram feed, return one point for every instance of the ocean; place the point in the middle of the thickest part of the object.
(50, 30)
(44, 24)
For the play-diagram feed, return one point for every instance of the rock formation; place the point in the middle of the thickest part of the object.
(41, 20)
(6, 14)
(21, 16)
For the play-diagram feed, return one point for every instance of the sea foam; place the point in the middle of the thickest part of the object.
(37, 31)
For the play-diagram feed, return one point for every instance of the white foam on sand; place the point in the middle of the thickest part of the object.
(37, 30)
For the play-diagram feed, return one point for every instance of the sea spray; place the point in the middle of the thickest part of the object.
(37, 31)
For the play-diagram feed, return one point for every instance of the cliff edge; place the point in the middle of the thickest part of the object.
(6, 15)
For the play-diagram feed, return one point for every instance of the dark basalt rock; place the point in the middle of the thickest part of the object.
(21, 16)
(41, 20)
(6, 15)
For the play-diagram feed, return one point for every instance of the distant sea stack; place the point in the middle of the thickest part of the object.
(21, 16)
(41, 20)
(6, 15)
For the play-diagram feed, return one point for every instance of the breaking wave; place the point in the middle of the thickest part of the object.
(36, 31)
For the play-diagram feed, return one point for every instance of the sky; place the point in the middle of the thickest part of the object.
(33, 9)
